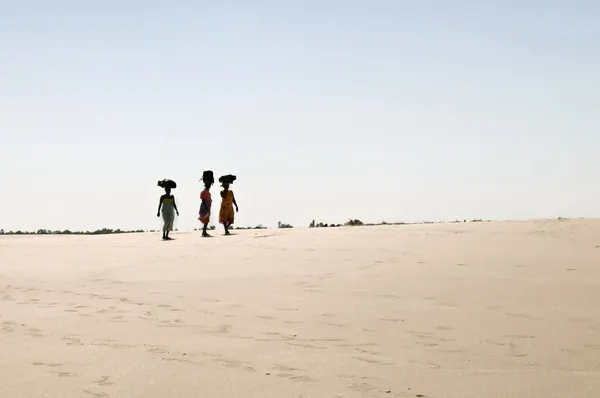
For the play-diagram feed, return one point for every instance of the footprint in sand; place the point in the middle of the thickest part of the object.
(50, 365)
(7, 326)
(519, 336)
(336, 325)
(230, 363)
(72, 340)
(390, 296)
(520, 315)
(368, 352)
(310, 346)
(362, 387)
(581, 319)
(95, 394)
(64, 374)
(391, 320)
(223, 329)
(444, 328)
(285, 368)
(427, 344)
(293, 377)
(373, 361)
(34, 332)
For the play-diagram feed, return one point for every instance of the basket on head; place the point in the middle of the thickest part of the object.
(228, 179)
(208, 177)
(167, 184)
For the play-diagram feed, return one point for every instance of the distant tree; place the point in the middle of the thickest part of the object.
(354, 223)
(312, 224)
(283, 225)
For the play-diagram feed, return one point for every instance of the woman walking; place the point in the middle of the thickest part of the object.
(168, 206)
(226, 215)
(206, 201)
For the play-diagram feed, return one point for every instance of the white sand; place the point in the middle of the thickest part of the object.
(506, 309)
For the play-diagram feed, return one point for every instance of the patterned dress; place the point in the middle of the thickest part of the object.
(227, 215)
(206, 202)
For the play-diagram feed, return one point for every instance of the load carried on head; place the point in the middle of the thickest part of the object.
(208, 177)
(228, 179)
(167, 184)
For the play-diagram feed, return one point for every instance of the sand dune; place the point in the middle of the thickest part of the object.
(502, 309)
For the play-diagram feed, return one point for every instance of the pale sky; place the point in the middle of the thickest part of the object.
(378, 110)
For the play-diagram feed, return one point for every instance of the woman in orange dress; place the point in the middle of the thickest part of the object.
(226, 214)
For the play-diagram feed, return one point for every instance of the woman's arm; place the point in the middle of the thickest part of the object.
(235, 203)
(159, 206)
(175, 206)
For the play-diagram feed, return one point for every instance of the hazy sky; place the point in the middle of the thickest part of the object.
(378, 110)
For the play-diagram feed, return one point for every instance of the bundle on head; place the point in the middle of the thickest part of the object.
(208, 177)
(167, 184)
(228, 179)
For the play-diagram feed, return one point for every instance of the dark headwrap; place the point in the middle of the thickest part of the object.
(167, 184)
(208, 177)
(228, 179)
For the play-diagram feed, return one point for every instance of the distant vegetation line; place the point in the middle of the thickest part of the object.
(280, 225)
(103, 231)
(358, 223)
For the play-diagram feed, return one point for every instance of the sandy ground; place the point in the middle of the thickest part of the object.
(501, 309)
